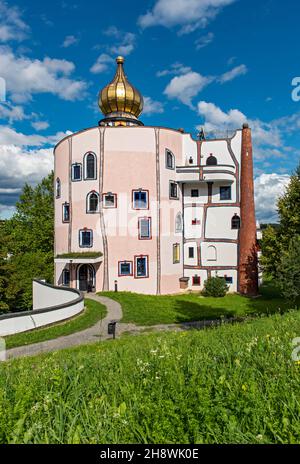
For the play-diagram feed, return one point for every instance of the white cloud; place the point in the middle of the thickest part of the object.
(9, 136)
(124, 42)
(152, 106)
(188, 14)
(25, 76)
(187, 86)
(6, 211)
(12, 113)
(102, 64)
(205, 40)
(235, 72)
(70, 40)
(175, 69)
(12, 26)
(268, 188)
(40, 125)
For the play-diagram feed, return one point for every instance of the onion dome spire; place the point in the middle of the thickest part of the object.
(120, 102)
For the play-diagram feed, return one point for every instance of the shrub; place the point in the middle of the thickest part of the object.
(289, 271)
(215, 286)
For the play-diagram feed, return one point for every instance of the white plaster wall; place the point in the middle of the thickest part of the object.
(190, 213)
(236, 145)
(200, 272)
(229, 273)
(44, 296)
(190, 261)
(219, 149)
(216, 191)
(189, 148)
(203, 192)
(226, 254)
(218, 224)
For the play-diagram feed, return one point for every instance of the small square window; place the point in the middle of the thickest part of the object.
(196, 222)
(191, 252)
(85, 238)
(225, 193)
(76, 172)
(174, 190)
(140, 199)
(194, 193)
(109, 200)
(125, 268)
(228, 280)
(141, 267)
(196, 280)
(66, 212)
(145, 228)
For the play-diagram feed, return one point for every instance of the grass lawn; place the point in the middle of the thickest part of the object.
(92, 313)
(231, 384)
(167, 309)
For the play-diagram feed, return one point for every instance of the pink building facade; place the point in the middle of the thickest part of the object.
(149, 209)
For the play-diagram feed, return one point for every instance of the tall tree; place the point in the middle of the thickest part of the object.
(29, 240)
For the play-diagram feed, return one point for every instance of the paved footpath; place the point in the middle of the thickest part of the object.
(98, 332)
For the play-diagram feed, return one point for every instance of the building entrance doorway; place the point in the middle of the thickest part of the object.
(86, 278)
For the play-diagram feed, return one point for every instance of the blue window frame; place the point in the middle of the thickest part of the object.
(90, 168)
(141, 267)
(225, 193)
(66, 212)
(125, 268)
(76, 172)
(140, 199)
(228, 280)
(145, 228)
(85, 238)
(66, 277)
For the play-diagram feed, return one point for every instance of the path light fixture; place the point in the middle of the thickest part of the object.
(111, 328)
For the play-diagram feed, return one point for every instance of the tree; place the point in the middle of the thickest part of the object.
(29, 242)
(215, 286)
(276, 241)
(289, 271)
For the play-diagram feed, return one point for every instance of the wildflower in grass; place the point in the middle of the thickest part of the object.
(244, 388)
(237, 362)
(154, 352)
(259, 437)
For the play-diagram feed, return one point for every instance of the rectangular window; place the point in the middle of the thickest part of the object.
(109, 200)
(76, 172)
(66, 277)
(196, 222)
(140, 199)
(145, 228)
(176, 253)
(194, 193)
(125, 268)
(170, 160)
(173, 190)
(228, 280)
(191, 252)
(225, 193)
(85, 238)
(66, 212)
(196, 280)
(141, 267)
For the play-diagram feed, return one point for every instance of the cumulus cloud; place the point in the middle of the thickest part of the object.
(186, 87)
(268, 188)
(204, 40)
(12, 113)
(152, 106)
(70, 40)
(189, 15)
(235, 72)
(101, 64)
(216, 119)
(40, 125)
(25, 76)
(12, 26)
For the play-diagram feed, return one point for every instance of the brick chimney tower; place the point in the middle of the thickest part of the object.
(248, 270)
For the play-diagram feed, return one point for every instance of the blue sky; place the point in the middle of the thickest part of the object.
(215, 63)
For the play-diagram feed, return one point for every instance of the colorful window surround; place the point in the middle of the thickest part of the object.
(92, 202)
(170, 160)
(145, 228)
(173, 190)
(140, 199)
(85, 238)
(176, 253)
(76, 172)
(196, 280)
(141, 267)
(66, 212)
(125, 268)
(90, 166)
(109, 200)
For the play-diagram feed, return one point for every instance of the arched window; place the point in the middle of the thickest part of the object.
(211, 253)
(236, 222)
(211, 160)
(57, 188)
(90, 166)
(170, 160)
(178, 222)
(92, 202)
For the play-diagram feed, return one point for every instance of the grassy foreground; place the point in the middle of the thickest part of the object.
(92, 313)
(232, 384)
(168, 309)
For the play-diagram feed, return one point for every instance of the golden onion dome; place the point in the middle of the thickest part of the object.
(120, 99)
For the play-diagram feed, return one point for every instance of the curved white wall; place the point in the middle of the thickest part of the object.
(52, 304)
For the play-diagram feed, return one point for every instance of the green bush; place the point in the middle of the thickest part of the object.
(215, 286)
(289, 271)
